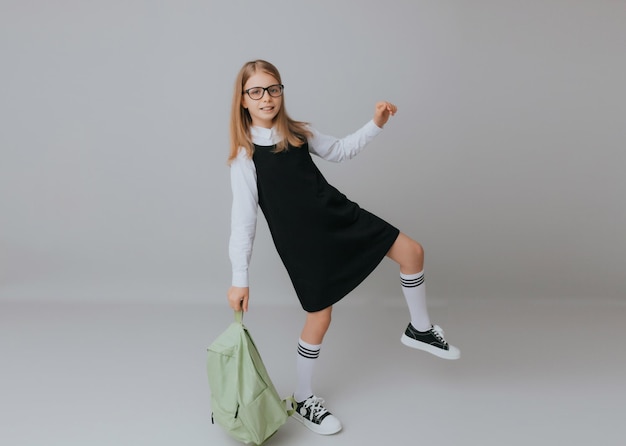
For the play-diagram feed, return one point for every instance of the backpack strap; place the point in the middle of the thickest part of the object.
(239, 316)
(292, 402)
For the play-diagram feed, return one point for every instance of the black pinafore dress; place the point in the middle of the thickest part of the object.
(327, 243)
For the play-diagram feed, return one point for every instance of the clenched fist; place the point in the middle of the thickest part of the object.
(383, 111)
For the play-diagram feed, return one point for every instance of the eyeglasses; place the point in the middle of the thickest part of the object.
(257, 93)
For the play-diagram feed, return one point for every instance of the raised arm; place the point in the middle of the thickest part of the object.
(335, 149)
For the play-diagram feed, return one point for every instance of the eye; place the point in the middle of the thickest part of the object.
(255, 91)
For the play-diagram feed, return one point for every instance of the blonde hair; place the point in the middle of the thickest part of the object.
(293, 132)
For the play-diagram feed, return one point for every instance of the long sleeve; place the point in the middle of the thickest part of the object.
(246, 197)
(337, 150)
(243, 216)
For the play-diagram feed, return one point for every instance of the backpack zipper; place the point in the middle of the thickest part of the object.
(236, 413)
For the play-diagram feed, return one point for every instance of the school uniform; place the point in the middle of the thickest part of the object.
(328, 243)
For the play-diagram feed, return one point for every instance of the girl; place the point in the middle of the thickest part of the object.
(327, 243)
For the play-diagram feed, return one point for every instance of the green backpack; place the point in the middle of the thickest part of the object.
(243, 398)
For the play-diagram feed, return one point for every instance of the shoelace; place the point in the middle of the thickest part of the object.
(314, 404)
(438, 333)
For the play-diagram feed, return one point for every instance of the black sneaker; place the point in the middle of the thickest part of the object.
(431, 341)
(316, 417)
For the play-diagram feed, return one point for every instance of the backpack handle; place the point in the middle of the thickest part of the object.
(239, 316)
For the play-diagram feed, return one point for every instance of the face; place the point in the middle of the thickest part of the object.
(264, 110)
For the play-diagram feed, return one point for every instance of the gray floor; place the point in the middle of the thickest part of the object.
(531, 373)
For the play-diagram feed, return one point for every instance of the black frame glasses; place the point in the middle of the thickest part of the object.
(271, 90)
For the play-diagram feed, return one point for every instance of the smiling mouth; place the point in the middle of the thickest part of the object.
(267, 108)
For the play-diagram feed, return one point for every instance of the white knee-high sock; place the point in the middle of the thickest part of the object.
(414, 292)
(305, 364)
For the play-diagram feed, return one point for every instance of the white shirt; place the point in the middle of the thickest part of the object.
(244, 187)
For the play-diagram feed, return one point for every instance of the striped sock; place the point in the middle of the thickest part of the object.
(305, 364)
(414, 292)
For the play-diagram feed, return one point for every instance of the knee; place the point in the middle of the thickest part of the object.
(316, 326)
(321, 319)
(418, 251)
(415, 259)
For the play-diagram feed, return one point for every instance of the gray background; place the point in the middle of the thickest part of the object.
(505, 159)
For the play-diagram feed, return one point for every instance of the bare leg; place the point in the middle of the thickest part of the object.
(407, 253)
(316, 326)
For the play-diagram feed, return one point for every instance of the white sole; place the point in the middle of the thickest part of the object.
(452, 353)
(314, 427)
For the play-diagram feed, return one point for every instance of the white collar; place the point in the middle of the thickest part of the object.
(263, 136)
